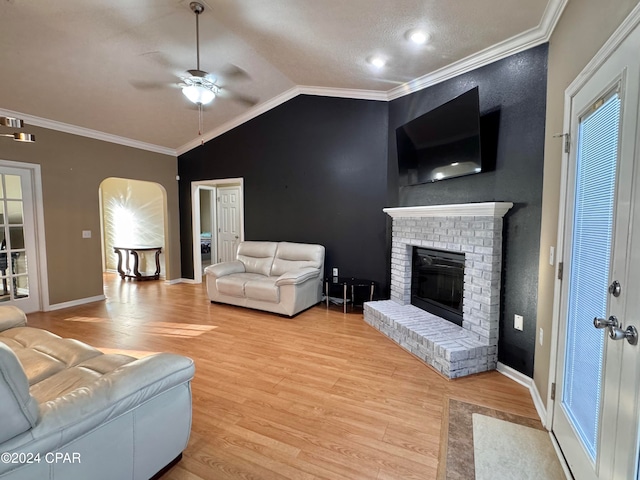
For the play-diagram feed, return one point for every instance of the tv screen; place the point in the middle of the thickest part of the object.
(442, 143)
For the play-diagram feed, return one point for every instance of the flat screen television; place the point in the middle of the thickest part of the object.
(442, 143)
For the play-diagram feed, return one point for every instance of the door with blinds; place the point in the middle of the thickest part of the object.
(595, 412)
(19, 283)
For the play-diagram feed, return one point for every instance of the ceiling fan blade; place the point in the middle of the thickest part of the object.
(246, 100)
(159, 58)
(144, 85)
(233, 72)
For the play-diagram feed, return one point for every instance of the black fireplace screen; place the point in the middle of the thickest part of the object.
(437, 283)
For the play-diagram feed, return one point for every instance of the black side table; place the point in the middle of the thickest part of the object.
(344, 285)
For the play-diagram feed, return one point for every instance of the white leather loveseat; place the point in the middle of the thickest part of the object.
(279, 277)
(68, 411)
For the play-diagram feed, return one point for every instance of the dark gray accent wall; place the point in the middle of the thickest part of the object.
(515, 88)
(315, 171)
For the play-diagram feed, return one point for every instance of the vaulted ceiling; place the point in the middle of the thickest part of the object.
(111, 69)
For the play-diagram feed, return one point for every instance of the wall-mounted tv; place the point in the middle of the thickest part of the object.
(442, 143)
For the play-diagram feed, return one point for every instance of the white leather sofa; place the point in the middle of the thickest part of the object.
(68, 411)
(279, 277)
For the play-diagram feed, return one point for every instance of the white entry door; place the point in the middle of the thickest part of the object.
(19, 282)
(229, 208)
(595, 413)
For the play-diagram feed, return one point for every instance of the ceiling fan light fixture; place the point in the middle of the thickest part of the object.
(198, 94)
(200, 90)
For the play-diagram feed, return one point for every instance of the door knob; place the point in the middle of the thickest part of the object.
(612, 321)
(615, 288)
(631, 334)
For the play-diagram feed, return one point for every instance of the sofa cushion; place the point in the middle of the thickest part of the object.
(264, 289)
(257, 256)
(294, 256)
(234, 284)
(43, 353)
(19, 410)
(81, 375)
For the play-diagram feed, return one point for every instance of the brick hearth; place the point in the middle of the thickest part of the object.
(474, 229)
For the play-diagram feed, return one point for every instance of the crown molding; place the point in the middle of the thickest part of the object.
(352, 93)
(87, 132)
(531, 38)
(519, 43)
(516, 44)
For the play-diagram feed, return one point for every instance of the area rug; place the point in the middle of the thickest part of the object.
(493, 430)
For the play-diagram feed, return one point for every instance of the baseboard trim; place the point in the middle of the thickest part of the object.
(527, 382)
(187, 280)
(75, 303)
(176, 281)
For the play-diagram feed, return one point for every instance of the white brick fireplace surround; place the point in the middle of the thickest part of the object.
(474, 229)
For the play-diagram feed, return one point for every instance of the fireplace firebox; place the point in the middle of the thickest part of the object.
(437, 283)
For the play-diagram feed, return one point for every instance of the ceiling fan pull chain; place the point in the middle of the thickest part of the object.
(200, 124)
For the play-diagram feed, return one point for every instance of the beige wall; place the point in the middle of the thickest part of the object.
(72, 169)
(583, 28)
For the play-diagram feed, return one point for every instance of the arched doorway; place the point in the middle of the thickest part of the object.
(133, 213)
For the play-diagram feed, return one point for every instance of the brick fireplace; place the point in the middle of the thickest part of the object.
(474, 229)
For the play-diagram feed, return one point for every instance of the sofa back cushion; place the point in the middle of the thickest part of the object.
(293, 256)
(257, 256)
(18, 409)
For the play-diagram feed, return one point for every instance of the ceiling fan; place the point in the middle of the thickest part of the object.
(199, 86)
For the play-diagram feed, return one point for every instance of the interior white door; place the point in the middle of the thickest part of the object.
(595, 413)
(19, 282)
(229, 220)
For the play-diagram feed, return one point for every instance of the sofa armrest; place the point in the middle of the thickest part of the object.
(297, 276)
(11, 317)
(225, 268)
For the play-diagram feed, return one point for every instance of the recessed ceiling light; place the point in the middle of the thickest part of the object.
(419, 37)
(377, 62)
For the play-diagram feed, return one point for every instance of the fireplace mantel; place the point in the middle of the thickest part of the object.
(484, 209)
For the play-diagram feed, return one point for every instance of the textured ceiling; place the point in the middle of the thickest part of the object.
(114, 66)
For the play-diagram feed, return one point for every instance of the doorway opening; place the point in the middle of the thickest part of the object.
(217, 215)
(133, 213)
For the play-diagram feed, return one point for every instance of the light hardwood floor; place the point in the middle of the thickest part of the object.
(322, 395)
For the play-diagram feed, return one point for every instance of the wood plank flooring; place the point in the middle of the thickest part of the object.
(319, 396)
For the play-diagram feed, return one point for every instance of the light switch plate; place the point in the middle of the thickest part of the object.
(335, 271)
(518, 322)
(86, 233)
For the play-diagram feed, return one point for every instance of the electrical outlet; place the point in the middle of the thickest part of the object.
(86, 233)
(335, 271)
(518, 322)
(540, 336)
